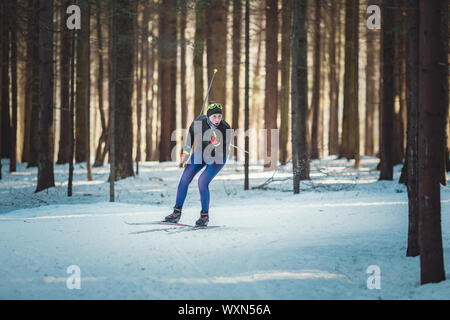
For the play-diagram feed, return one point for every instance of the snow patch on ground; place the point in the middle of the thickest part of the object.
(272, 244)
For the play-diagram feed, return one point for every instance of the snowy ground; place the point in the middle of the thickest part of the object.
(274, 245)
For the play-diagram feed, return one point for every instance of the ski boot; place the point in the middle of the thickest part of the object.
(203, 220)
(175, 216)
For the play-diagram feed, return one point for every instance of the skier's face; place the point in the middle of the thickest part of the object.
(215, 118)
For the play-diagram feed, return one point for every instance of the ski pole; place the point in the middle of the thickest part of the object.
(209, 88)
(239, 148)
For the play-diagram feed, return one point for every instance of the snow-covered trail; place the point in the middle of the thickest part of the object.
(273, 244)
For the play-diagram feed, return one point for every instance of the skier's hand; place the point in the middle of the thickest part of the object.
(184, 156)
(214, 140)
(183, 159)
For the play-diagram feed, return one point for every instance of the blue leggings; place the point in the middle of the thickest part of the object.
(190, 170)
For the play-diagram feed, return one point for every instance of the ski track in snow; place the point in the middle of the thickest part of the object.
(272, 244)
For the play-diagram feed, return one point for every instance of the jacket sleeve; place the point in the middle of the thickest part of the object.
(189, 141)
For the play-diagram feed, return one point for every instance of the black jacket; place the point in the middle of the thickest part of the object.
(222, 138)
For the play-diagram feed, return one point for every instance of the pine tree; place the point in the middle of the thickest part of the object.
(429, 154)
(350, 124)
(387, 111)
(45, 166)
(300, 153)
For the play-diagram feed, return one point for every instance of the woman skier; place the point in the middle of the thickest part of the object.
(212, 153)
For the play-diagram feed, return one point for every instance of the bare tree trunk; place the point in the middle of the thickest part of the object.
(99, 158)
(350, 127)
(411, 165)
(82, 84)
(386, 161)
(5, 116)
(300, 155)
(199, 44)
(443, 64)
(256, 84)
(237, 27)
(45, 167)
(371, 90)
(216, 39)
(430, 234)
(399, 88)
(247, 91)
(333, 133)
(1, 80)
(149, 92)
(140, 78)
(28, 82)
(315, 103)
(286, 29)
(123, 131)
(64, 144)
(271, 90)
(184, 105)
(72, 111)
(34, 134)
(114, 38)
(166, 76)
(13, 135)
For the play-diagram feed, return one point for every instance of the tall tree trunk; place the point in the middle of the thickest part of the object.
(399, 88)
(13, 135)
(1, 80)
(371, 90)
(271, 90)
(350, 126)
(113, 83)
(216, 39)
(286, 29)
(28, 82)
(123, 131)
(443, 66)
(149, 92)
(71, 111)
(45, 167)
(166, 76)
(64, 144)
(184, 105)
(300, 154)
(411, 165)
(247, 92)
(256, 82)
(101, 147)
(237, 27)
(430, 234)
(315, 103)
(82, 83)
(386, 161)
(5, 116)
(140, 78)
(333, 127)
(34, 134)
(199, 44)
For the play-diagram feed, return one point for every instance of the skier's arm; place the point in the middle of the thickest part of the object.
(186, 150)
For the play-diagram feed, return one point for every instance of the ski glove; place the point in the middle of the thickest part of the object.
(214, 140)
(184, 156)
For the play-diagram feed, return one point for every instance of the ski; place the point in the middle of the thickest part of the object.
(194, 228)
(159, 222)
(178, 227)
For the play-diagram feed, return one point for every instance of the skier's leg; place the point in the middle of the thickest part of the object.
(190, 170)
(203, 183)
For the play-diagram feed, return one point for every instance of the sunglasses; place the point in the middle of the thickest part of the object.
(215, 105)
